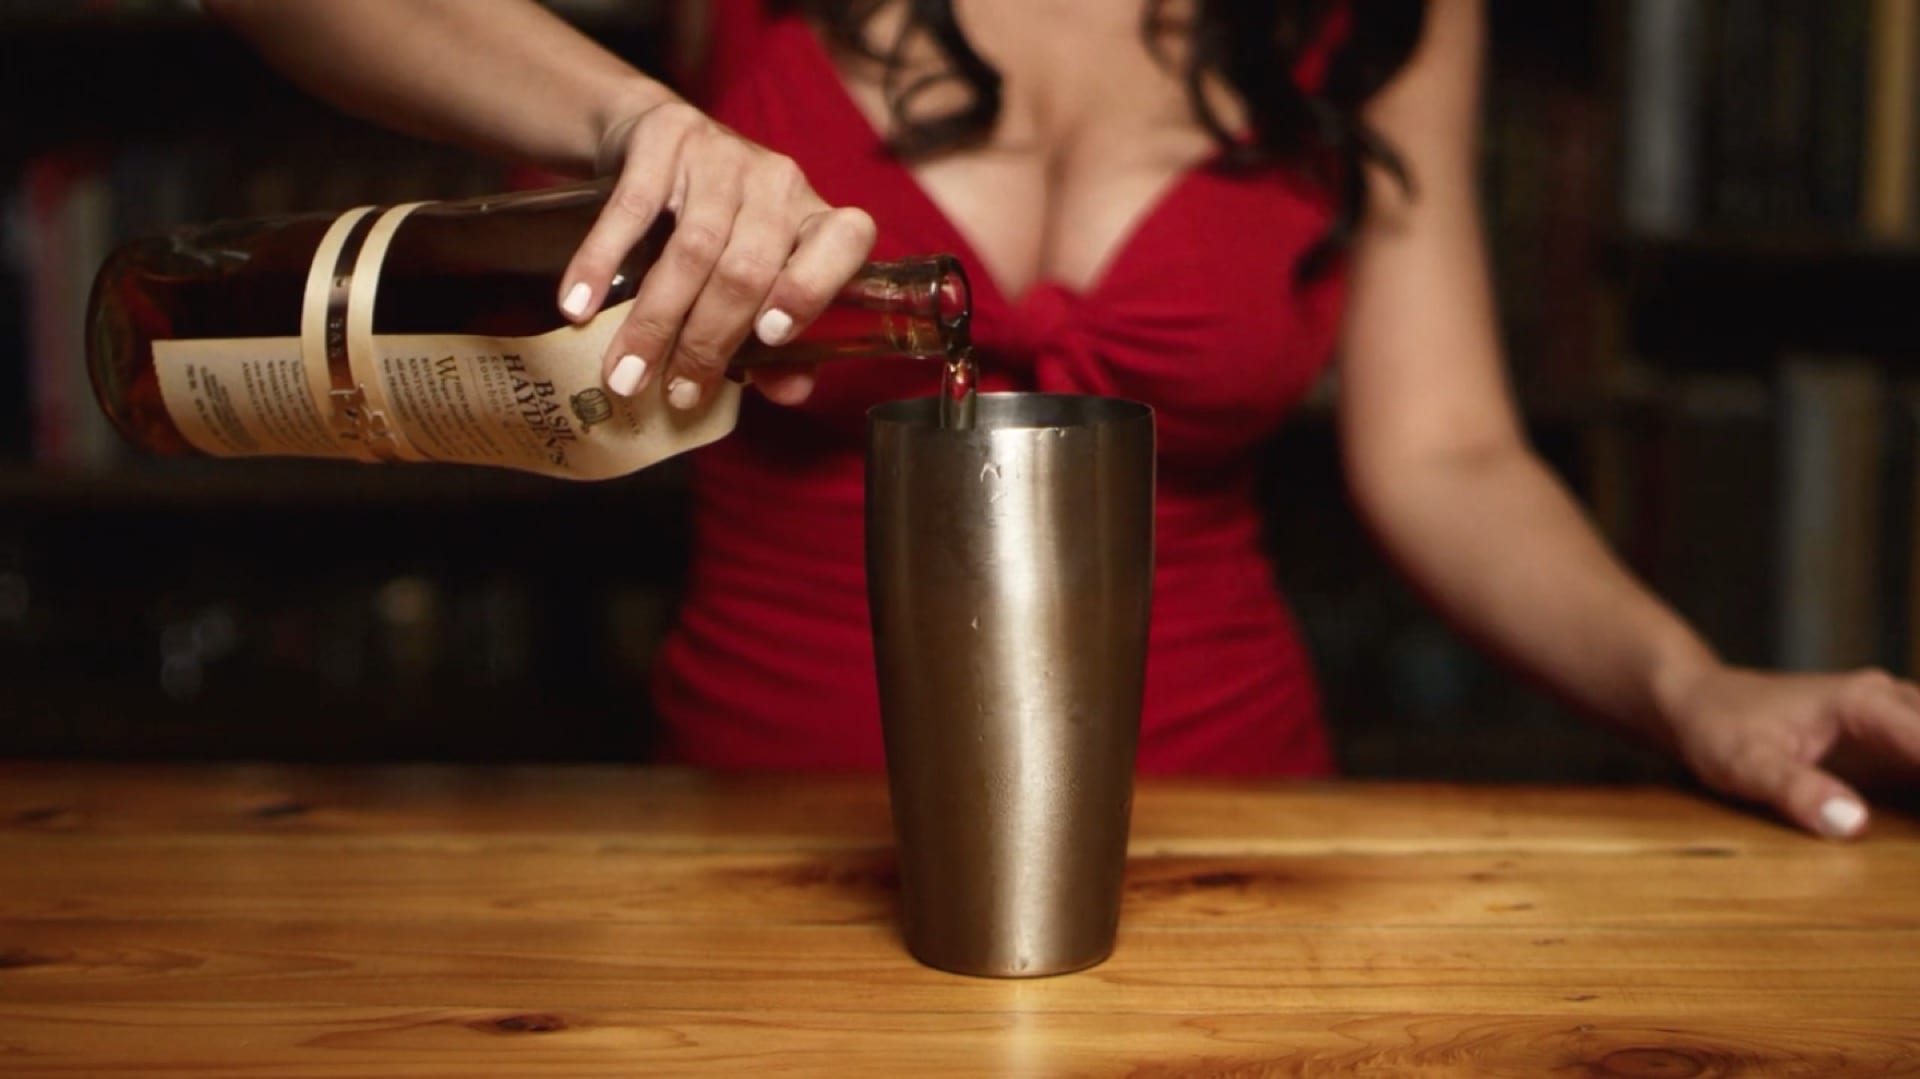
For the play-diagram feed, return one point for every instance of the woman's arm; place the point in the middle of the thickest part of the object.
(1440, 468)
(754, 249)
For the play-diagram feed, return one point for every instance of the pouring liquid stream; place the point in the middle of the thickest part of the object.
(957, 389)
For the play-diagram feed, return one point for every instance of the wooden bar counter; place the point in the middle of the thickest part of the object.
(583, 921)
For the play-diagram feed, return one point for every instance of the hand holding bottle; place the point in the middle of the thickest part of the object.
(753, 250)
(430, 330)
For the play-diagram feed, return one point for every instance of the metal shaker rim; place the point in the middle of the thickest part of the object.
(1018, 410)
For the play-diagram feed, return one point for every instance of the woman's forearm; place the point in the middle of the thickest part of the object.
(506, 78)
(1437, 458)
(1433, 443)
(1498, 544)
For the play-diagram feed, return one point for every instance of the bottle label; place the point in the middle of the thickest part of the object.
(535, 403)
(242, 397)
(265, 396)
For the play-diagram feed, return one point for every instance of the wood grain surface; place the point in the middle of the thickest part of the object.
(585, 921)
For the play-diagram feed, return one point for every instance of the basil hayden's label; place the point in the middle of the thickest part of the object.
(534, 403)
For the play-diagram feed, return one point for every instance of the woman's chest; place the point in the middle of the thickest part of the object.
(1104, 260)
(1093, 128)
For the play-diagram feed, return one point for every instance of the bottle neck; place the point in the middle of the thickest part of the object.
(915, 308)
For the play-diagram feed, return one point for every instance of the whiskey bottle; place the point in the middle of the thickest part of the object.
(428, 331)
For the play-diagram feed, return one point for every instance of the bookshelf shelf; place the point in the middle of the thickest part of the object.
(296, 484)
(1740, 300)
(1786, 250)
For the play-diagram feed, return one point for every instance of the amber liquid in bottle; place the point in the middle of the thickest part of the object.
(487, 267)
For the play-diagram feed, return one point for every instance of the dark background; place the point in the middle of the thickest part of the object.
(1703, 237)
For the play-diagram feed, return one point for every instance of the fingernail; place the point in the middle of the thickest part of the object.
(1842, 816)
(575, 304)
(774, 326)
(682, 394)
(627, 374)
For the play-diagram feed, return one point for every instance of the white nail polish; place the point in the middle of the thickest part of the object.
(1842, 816)
(575, 304)
(682, 394)
(626, 375)
(774, 326)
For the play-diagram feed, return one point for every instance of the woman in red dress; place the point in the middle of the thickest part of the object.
(1202, 209)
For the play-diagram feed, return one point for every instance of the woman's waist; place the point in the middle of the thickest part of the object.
(800, 554)
(1215, 631)
(783, 499)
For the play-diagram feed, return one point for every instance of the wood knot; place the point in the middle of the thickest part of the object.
(21, 958)
(278, 810)
(1650, 1063)
(525, 1023)
(877, 874)
(1222, 879)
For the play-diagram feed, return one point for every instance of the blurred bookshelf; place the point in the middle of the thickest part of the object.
(1702, 230)
(276, 608)
(1766, 242)
(1701, 216)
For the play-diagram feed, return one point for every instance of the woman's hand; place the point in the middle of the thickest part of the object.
(753, 249)
(1764, 737)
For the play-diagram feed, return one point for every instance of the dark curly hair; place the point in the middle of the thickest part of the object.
(1254, 45)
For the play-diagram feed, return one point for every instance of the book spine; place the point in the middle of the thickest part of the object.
(1660, 137)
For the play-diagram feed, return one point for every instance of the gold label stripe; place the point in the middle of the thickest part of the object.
(381, 424)
(322, 315)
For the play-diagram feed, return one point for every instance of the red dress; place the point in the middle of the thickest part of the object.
(771, 662)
